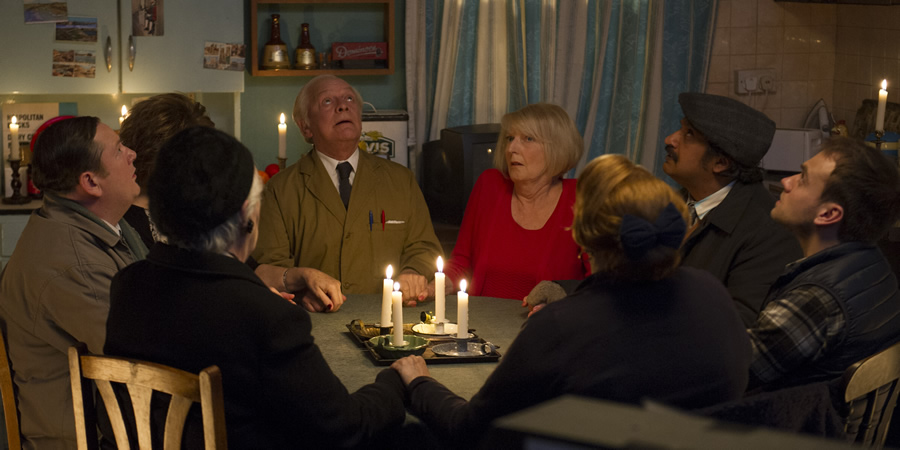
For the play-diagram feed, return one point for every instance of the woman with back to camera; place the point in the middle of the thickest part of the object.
(152, 122)
(639, 327)
(515, 229)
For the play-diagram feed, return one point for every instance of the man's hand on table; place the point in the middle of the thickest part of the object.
(321, 292)
(410, 368)
(414, 287)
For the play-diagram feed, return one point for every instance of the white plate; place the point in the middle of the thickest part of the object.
(429, 329)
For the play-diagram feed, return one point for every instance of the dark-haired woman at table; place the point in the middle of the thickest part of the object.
(515, 231)
(194, 303)
(639, 327)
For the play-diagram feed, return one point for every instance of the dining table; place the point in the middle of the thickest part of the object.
(494, 320)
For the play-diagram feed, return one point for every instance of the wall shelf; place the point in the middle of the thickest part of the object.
(256, 45)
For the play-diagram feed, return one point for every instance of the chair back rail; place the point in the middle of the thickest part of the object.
(8, 395)
(141, 380)
(872, 384)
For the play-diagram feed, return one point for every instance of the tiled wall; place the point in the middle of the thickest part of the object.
(838, 53)
(868, 50)
(795, 39)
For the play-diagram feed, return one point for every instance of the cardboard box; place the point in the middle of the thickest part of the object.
(358, 50)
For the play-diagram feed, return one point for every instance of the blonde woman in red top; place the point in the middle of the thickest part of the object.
(515, 231)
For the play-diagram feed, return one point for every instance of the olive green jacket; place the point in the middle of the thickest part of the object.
(303, 223)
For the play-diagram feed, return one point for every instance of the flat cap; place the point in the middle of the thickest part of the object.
(730, 126)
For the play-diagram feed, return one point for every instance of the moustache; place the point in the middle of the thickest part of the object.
(670, 151)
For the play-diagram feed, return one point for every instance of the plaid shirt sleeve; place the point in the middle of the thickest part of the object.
(793, 331)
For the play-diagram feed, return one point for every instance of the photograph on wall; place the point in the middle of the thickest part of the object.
(74, 63)
(221, 56)
(77, 29)
(44, 11)
(147, 17)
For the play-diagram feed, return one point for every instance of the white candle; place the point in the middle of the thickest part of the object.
(882, 103)
(386, 297)
(397, 300)
(462, 312)
(14, 154)
(122, 117)
(439, 300)
(282, 139)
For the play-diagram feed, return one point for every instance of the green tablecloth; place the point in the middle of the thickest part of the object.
(495, 320)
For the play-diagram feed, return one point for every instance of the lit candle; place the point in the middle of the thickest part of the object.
(439, 292)
(386, 297)
(14, 154)
(282, 139)
(462, 312)
(882, 103)
(122, 117)
(397, 300)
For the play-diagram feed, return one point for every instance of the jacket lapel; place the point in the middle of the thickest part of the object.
(319, 184)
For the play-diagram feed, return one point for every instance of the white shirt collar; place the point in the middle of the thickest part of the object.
(331, 166)
(115, 227)
(710, 202)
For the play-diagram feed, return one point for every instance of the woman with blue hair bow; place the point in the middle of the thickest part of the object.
(640, 327)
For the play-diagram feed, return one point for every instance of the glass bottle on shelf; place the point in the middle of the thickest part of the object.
(305, 53)
(275, 53)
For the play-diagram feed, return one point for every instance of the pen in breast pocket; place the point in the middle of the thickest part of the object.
(370, 220)
(382, 220)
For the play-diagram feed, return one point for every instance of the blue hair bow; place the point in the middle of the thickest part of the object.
(638, 236)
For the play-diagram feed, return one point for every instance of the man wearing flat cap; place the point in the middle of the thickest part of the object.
(715, 157)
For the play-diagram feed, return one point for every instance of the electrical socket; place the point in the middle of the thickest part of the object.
(754, 81)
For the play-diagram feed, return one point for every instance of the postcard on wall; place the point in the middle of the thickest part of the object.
(221, 56)
(44, 11)
(147, 18)
(74, 63)
(77, 29)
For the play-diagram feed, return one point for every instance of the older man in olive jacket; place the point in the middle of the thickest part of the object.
(343, 211)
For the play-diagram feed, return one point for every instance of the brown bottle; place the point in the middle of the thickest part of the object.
(305, 54)
(275, 54)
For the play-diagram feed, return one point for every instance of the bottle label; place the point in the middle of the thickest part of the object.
(306, 58)
(278, 56)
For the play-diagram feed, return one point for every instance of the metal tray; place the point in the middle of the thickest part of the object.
(362, 335)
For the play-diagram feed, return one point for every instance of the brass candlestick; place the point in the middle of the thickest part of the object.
(282, 163)
(17, 198)
(878, 141)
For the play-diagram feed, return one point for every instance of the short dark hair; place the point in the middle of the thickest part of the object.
(65, 150)
(744, 174)
(866, 184)
(152, 122)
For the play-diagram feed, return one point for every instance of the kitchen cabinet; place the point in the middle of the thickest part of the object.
(372, 21)
(172, 62)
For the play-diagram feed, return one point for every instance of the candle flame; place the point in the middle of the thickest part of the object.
(884, 84)
(389, 272)
(13, 120)
(462, 286)
(124, 111)
(396, 287)
(282, 122)
(440, 264)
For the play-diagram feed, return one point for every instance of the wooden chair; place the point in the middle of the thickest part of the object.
(142, 379)
(8, 393)
(870, 392)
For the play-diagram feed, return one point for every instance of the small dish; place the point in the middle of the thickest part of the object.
(413, 345)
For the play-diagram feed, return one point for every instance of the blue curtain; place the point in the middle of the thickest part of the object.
(619, 50)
